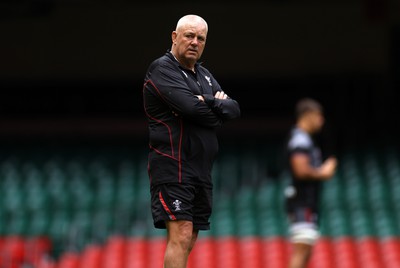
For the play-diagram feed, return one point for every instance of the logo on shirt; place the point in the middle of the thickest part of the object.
(177, 205)
(208, 80)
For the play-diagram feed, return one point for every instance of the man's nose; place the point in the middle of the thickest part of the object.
(195, 41)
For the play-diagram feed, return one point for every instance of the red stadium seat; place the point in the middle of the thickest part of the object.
(346, 255)
(250, 252)
(136, 253)
(69, 260)
(322, 255)
(37, 248)
(370, 253)
(227, 254)
(222, 252)
(114, 252)
(91, 257)
(156, 248)
(275, 252)
(391, 252)
(13, 250)
(46, 263)
(203, 254)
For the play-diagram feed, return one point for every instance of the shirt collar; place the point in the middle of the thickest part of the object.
(172, 56)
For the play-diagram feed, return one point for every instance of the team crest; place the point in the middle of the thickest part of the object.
(208, 80)
(177, 205)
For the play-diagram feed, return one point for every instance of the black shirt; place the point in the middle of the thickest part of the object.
(182, 129)
(303, 192)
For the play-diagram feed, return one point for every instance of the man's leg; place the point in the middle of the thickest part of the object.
(304, 234)
(195, 234)
(300, 255)
(180, 240)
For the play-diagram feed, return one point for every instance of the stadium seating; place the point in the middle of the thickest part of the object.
(61, 208)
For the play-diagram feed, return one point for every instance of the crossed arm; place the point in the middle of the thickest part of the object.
(207, 110)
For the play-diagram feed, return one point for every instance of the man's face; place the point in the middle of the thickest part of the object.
(317, 120)
(189, 42)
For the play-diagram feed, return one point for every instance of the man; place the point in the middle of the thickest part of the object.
(307, 172)
(184, 105)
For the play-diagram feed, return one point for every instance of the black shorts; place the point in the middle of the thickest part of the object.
(178, 201)
(303, 226)
(303, 214)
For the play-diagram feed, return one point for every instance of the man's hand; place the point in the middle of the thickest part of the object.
(200, 97)
(302, 169)
(220, 95)
(328, 168)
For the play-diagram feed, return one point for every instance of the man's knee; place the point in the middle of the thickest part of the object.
(180, 233)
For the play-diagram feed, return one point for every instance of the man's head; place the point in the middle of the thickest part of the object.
(309, 115)
(189, 39)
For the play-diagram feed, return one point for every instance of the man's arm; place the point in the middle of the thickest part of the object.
(302, 169)
(223, 105)
(172, 88)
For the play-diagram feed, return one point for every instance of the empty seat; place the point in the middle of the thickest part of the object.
(361, 224)
(390, 248)
(18, 223)
(227, 252)
(335, 223)
(323, 255)
(250, 252)
(345, 252)
(203, 254)
(69, 260)
(14, 251)
(275, 252)
(91, 256)
(37, 248)
(114, 252)
(156, 249)
(136, 252)
(39, 223)
(369, 253)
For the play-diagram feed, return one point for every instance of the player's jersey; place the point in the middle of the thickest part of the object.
(182, 129)
(303, 193)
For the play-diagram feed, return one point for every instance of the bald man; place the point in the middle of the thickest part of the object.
(184, 105)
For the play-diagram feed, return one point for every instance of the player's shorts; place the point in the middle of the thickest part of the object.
(178, 201)
(303, 226)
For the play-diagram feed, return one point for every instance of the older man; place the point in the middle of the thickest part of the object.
(184, 105)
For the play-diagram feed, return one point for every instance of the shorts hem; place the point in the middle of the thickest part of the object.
(201, 227)
(301, 241)
(160, 224)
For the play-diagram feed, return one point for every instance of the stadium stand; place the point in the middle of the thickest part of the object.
(86, 207)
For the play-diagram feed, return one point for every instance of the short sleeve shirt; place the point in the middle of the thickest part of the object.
(303, 193)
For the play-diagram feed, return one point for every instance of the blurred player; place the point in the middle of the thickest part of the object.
(307, 170)
(184, 105)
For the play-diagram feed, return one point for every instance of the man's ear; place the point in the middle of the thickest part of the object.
(173, 37)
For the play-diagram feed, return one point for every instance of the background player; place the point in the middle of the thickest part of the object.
(307, 172)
